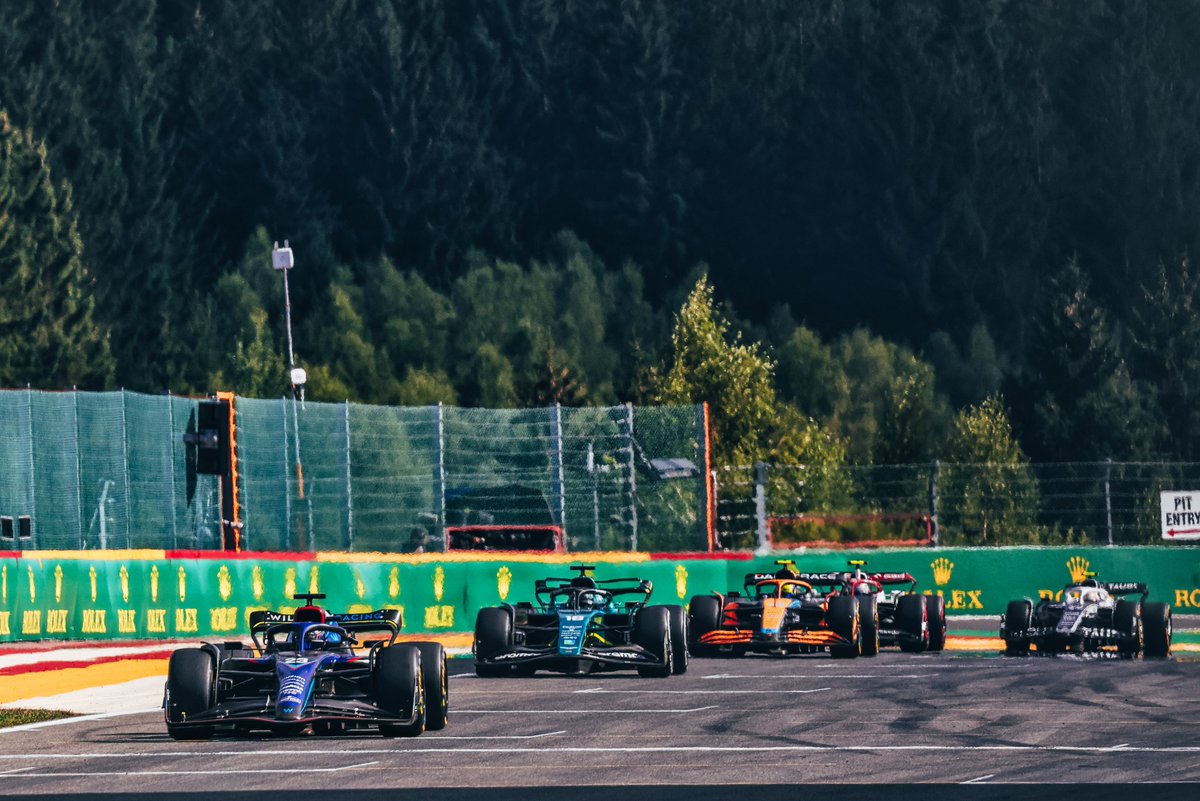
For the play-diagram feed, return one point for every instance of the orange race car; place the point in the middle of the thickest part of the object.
(780, 613)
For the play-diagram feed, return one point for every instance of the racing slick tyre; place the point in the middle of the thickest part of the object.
(868, 621)
(912, 620)
(1016, 621)
(493, 635)
(189, 692)
(705, 612)
(1127, 620)
(398, 689)
(1156, 629)
(678, 619)
(935, 610)
(437, 687)
(842, 618)
(652, 631)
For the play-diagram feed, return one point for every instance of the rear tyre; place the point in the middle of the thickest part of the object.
(1127, 620)
(652, 631)
(1156, 627)
(493, 635)
(842, 618)
(398, 689)
(677, 618)
(189, 692)
(935, 610)
(436, 684)
(868, 621)
(912, 620)
(1016, 622)
(705, 614)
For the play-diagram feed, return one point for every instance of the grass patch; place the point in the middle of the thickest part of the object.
(18, 717)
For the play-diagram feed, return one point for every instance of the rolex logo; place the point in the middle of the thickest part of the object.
(154, 584)
(92, 579)
(314, 579)
(394, 583)
(124, 576)
(289, 584)
(256, 583)
(503, 582)
(182, 584)
(1078, 567)
(941, 571)
(681, 581)
(32, 587)
(360, 588)
(439, 583)
(58, 584)
(224, 583)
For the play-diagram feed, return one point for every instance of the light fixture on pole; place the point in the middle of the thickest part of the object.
(283, 260)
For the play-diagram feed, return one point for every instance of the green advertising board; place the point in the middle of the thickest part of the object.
(151, 595)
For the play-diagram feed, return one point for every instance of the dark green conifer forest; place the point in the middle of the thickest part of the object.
(904, 209)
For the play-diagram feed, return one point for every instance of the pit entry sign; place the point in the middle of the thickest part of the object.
(1180, 515)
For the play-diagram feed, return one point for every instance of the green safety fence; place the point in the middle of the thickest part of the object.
(129, 595)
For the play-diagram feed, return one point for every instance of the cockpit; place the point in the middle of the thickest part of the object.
(1085, 595)
(580, 598)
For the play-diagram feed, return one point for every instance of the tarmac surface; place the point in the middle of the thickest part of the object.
(755, 728)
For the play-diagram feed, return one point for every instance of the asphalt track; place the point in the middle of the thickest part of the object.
(754, 728)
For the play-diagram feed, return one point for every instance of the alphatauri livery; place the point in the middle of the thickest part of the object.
(1090, 616)
(579, 625)
(308, 669)
(785, 612)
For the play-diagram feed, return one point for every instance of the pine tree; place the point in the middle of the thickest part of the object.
(48, 334)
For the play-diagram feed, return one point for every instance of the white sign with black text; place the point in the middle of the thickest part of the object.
(1180, 513)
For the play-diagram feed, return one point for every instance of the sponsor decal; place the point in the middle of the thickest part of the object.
(314, 579)
(1187, 598)
(511, 655)
(32, 587)
(182, 581)
(256, 583)
(623, 655)
(394, 583)
(156, 621)
(154, 584)
(503, 582)
(1123, 586)
(124, 576)
(289, 584)
(58, 574)
(94, 621)
(360, 589)
(1079, 568)
(439, 617)
(4, 584)
(942, 568)
(681, 576)
(223, 618)
(960, 599)
(186, 620)
(92, 580)
(291, 689)
(811, 577)
(439, 583)
(126, 621)
(4, 630)
(224, 583)
(56, 621)
(31, 622)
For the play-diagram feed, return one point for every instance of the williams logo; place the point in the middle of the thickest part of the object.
(1079, 568)
(681, 581)
(503, 582)
(941, 571)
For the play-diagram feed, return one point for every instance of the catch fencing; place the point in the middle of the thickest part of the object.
(1097, 503)
(111, 470)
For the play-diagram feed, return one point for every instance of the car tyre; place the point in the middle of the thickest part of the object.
(843, 619)
(1156, 628)
(912, 619)
(189, 692)
(493, 635)
(652, 631)
(935, 609)
(436, 683)
(705, 614)
(399, 689)
(677, 618)
(1127, 620)
(1017, 618)
(868, 621)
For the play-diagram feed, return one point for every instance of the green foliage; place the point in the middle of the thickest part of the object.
(48, 333)
(988, 493)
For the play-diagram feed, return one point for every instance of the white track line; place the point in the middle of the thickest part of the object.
(602, 691)
(978, 779)
(290, 771)
(826, 677)
(78, 719)
(579, 711)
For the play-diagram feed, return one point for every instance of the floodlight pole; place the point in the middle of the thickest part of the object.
(283, 259)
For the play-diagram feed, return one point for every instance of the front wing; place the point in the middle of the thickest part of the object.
(611, 657)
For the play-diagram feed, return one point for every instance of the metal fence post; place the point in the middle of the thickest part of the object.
(33, 517)
(79, 469)
(760, 506)
(349, 485)
(287, 481)
(1108, 498)
(556, 467)
(934, 529)
(632, 481)
(171, 430)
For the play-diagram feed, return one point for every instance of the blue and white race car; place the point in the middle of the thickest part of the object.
(309, 669)
(578, 625)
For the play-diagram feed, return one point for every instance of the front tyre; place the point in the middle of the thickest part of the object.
(437, 686)
(868, 621)
(912, 620)
(843, 620)
(1017, 618)
(935, 609)
(1156, 627)
(677, 619)
(189, 692)
(1127, 621)
(705, 614)
(493, 635)
(399, 690)
(652, 631)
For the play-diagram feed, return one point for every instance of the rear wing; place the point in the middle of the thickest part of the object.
(389, 620)
(1126, 588)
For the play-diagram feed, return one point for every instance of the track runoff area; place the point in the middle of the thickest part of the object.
(771, 727)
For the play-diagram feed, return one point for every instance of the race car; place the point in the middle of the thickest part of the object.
(577, 625)
(786, 612)
(902, 616)
(309, 670)
(1090, 616)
